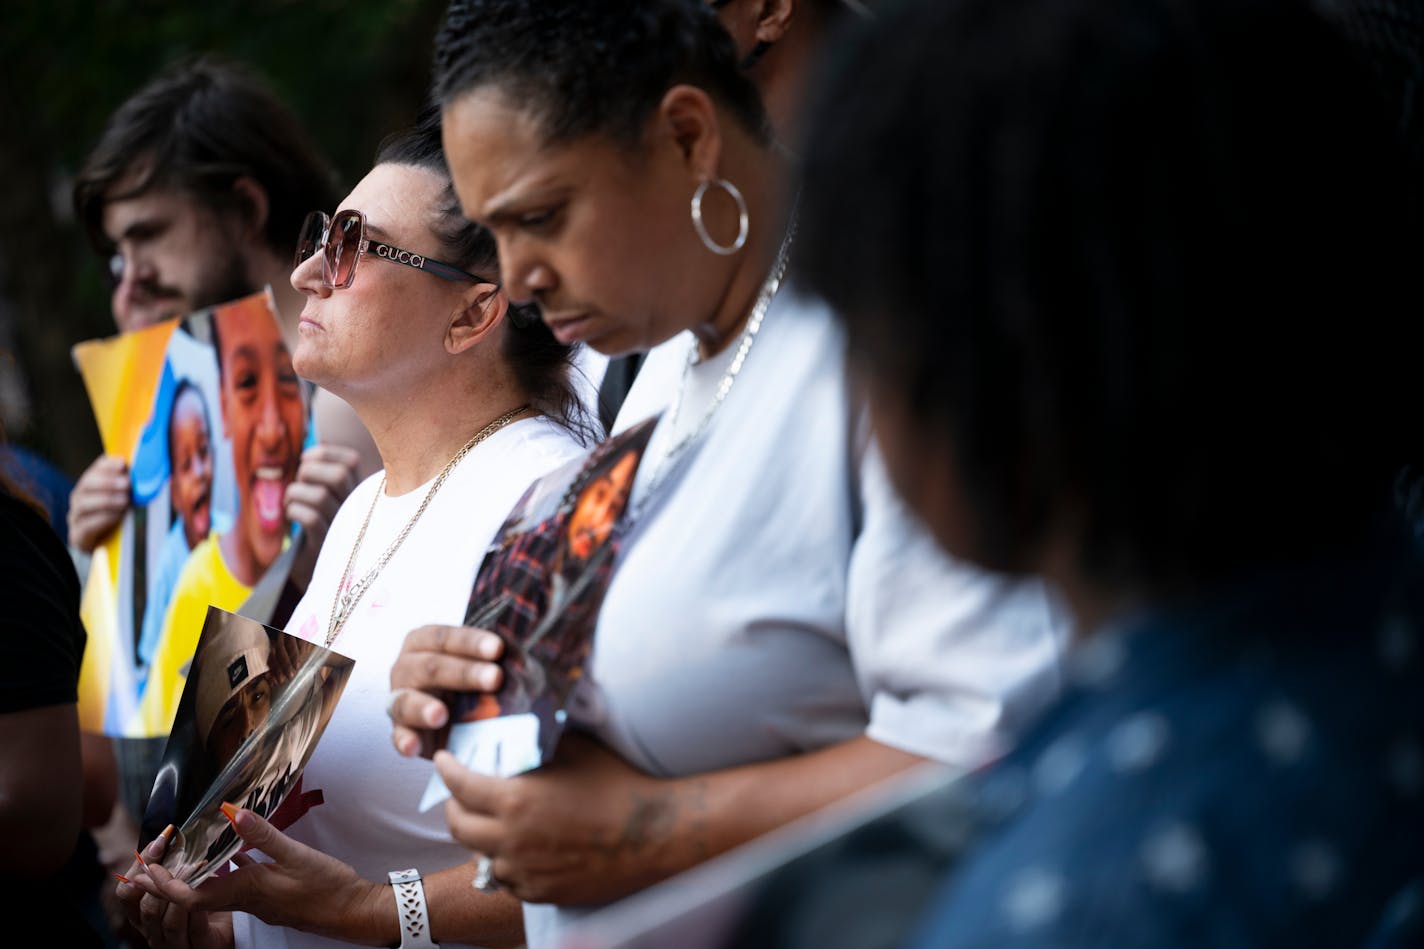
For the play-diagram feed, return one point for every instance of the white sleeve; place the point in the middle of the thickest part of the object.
(952, 660)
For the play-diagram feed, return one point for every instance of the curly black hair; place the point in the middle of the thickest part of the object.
(585, 67)
(1141, 259)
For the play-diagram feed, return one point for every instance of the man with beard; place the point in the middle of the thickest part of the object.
(195, 193)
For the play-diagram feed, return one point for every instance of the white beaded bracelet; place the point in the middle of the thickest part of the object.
(410, 909)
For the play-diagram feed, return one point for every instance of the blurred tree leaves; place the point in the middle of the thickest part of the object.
(353, 71)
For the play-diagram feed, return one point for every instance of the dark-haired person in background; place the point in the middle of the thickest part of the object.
(194, 194)
(781, 43)
(37, 477)
(469, 399)
(1144, 321)
(773, 637)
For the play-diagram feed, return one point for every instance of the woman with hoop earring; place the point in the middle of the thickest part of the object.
(777, 634)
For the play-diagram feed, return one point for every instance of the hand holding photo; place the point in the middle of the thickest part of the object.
(256, 702)
(209, 419)
(539, 588)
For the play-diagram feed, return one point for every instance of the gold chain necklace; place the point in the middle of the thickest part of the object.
(348, 594)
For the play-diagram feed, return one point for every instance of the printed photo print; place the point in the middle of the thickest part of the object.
(212, 420)
(256, 702)
(540, 587)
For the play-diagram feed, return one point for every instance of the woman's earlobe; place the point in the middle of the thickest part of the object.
(479, 316)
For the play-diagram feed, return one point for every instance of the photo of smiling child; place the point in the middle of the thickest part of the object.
(212, 419)
(190, 501)
(264, 419)
(190, 455)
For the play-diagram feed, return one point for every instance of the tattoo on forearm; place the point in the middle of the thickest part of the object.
(650, 818)
(654, 818)
(697, 825)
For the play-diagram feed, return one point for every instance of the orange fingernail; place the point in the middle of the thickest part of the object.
(141, 862)
(230, 812)
(121, 878)
(168, 832)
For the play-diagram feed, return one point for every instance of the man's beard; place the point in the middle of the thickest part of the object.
(230, 283)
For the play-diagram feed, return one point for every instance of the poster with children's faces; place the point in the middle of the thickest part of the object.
(211, 420)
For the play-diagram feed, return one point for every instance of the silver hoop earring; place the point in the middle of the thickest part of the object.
(743, 224)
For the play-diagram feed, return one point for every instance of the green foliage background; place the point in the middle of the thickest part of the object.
(353, 71)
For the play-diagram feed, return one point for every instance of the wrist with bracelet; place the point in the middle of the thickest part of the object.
(411, 910)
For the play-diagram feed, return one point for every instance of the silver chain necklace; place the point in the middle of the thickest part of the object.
(674, 454)
(348, 594)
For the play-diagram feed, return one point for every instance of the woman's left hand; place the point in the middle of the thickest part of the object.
(586, 828)
(589, 828)
(164, 924)
(300, 887)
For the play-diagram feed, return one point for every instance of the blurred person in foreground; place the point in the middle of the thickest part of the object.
(51, 875)
(774, 637)
(470, 399)
(1142, 316)
(1390, 37)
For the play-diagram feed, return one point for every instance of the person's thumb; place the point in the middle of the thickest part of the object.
(259, 834)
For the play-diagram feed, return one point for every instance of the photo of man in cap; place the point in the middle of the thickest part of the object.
(234, 692)
(256, 702)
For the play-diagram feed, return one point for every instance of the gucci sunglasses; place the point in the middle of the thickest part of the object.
(342, 240)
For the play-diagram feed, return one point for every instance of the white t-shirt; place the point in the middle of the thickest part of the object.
(369, 816)
(776, 596)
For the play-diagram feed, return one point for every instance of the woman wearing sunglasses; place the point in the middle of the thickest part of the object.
(468, 399)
